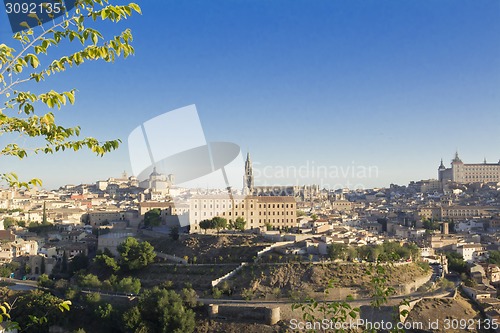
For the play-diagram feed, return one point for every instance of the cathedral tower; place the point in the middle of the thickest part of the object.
(248, 177)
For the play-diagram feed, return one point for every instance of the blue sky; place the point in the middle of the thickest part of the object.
(394, 85)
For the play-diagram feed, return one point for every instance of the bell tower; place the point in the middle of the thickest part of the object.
(457, 167)
(248, 177)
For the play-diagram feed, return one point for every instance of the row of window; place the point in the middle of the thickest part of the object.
(251, 206)
(482, 168)
(481, 176)
(243, 213)
(274, 221)
(461, 214)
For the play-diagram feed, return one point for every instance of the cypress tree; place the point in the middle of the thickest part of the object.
(44, 216)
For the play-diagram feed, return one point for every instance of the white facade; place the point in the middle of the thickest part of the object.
(471, 252)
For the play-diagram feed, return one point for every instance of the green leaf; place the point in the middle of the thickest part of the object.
(33, 15)
(71, 96)
(135, 7)
(33, 60)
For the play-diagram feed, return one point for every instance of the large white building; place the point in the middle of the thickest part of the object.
(471, 252)
(158, 182)
(257, 211)
(469, 173)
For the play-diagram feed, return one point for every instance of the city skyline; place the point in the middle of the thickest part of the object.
(384, 84)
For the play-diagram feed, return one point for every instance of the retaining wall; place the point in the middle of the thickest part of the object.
(256, 314)
(228, 275)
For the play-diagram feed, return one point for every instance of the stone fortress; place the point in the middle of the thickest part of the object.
(463, 173)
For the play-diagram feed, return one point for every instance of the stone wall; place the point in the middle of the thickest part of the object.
(173, 259)
(255, 314)
(270, 247)
(412, 286)
(228, 275)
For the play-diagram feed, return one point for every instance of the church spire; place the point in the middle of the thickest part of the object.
(248, 177)
(441, 166)
(457, 159)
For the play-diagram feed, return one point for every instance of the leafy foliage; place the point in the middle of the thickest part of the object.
(424, 265)
(219, 223)
(337, 312)
(239, 223)
(136, 255)
(378, 284)
(35, 311)
(152, 218)
(106, 262)
(430, 224)
(160, 310)
(8, 222)
(8, 268)
(4, 312)
(387, 252)
(494, 257)
(32, 63)
(301, 213)
(189, 297)
(90, 281)
(129, 285)
(79, 262)
(456, 262)
(337, 251)
(44, 281)
(207, 224)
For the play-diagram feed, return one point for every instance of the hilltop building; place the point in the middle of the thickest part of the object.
(306, 192)
(469, 173)
(114, 183)
(258, 212)
(157, 183)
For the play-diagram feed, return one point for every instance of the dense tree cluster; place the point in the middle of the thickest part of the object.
(494, 257)
(8, 268)
(238, 224)
(37, 310)
(135, 255)
(388, 251)
(128, 285)
(160, 310)
(106, 262)
(456, 262)
(152, 218)
(217, 223)
(430, 224)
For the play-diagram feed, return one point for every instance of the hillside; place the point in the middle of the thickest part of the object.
(443, 311)
(297, 280)
(209, 249)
